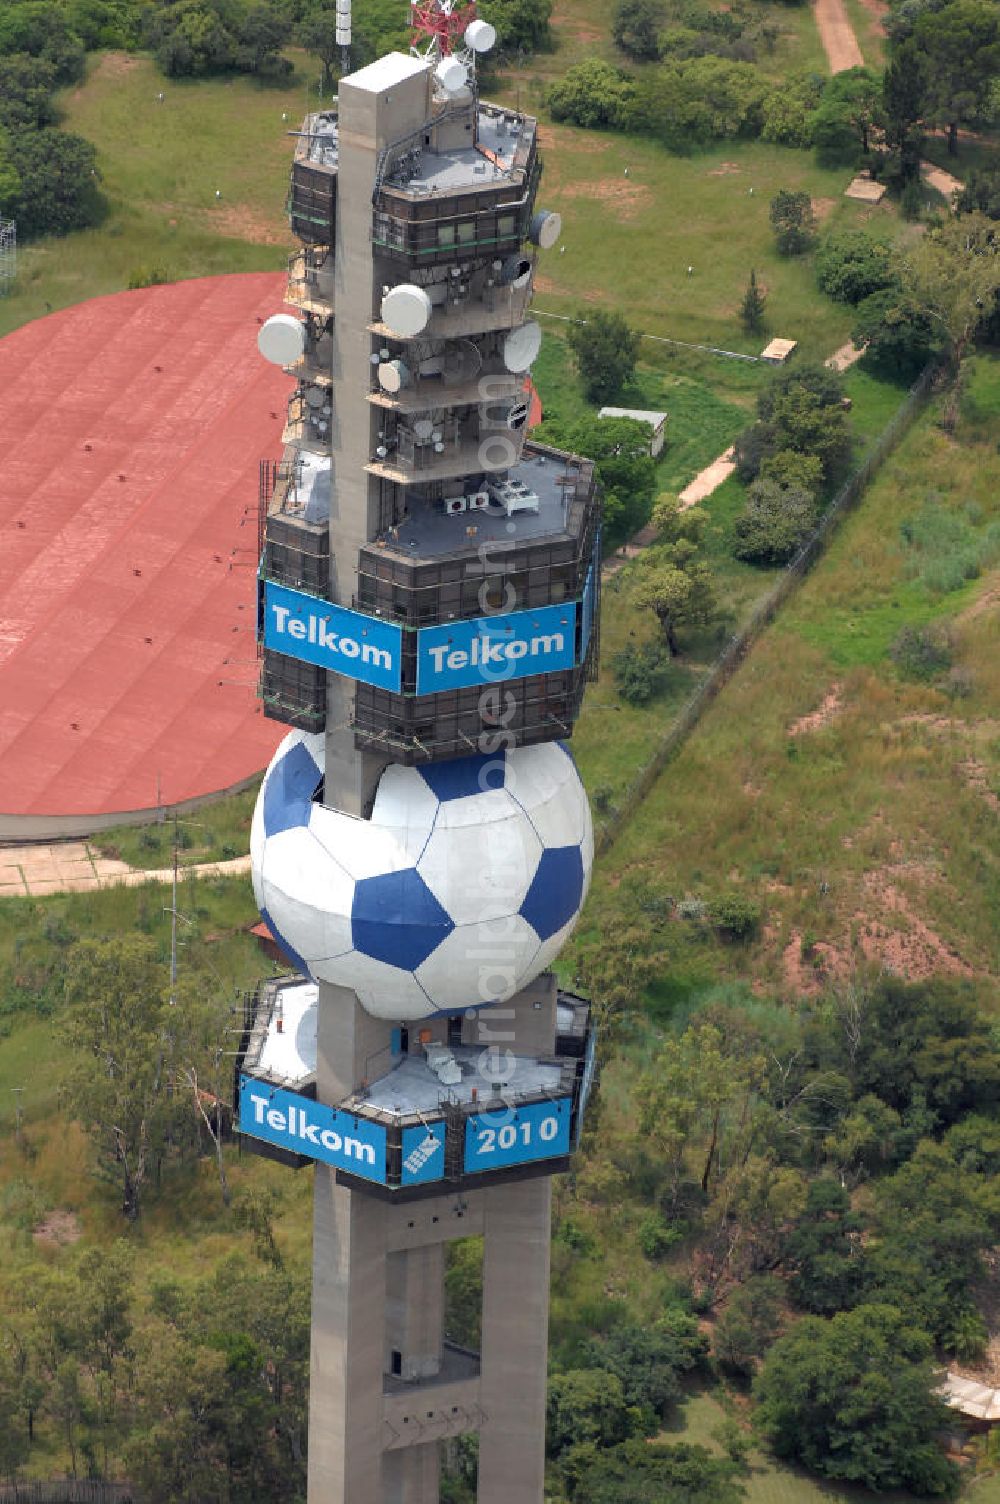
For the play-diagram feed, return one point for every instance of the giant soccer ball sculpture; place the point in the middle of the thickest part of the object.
(459, 890)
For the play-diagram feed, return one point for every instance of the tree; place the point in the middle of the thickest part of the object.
(981, 192)
(606, 351)
(748, 1325)
(824, 1252)
(586, 1404)
(697, 1094)
(851, 265)
(961, 45)
(649, 1360)
(853, 1398)
(592, 93)
(801, 411)
(678, 589)
(897, 332)
(317, 33)
(26, 88)
(42, 30)
(786, 117)
(636, 27)
(954, 273)
(120, 1027)
(57, 176)
(793, 222)
(848, 113)
(904, 87)
(522, 26)
(653, 1473)
(625, 468)
(787, 469)
(775, 522)
(752, 307)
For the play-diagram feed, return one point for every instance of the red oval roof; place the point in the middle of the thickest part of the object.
(131, 428)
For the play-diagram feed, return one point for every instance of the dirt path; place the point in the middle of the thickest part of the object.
(837, 35)
(945, 182)
(74, 867)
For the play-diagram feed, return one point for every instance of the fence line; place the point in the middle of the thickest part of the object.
(739, 645)
(68, 1491)
(661, 339)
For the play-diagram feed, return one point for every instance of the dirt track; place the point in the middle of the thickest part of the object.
(837, 35)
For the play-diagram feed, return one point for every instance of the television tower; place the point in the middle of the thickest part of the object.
(421, 847)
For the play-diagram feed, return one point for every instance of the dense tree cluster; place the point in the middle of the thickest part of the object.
(837, 1169)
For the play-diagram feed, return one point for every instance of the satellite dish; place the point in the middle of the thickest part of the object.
(406, 310)
(451, 74)
(480, 36)
(281, 339)
(521, 347)
(393, 376)
(515, 272)
(314, 396)
(423, 428)
(545, 229)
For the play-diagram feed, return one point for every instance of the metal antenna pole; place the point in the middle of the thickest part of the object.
(173, 925)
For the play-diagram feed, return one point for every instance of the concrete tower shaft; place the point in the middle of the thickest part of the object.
(421, 847)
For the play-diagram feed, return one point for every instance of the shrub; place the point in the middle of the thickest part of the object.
(852, 264)
(788, 468)
(775, 523)
(923, 652)
(735, 915)
(592, 93)
(641, 671)
(793, 222)
(657, 1236)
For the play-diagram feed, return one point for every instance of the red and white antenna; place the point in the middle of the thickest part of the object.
(450, 36)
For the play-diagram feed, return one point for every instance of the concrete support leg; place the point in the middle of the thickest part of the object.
(348, 1345)
(515, 1343)
(413, 1476)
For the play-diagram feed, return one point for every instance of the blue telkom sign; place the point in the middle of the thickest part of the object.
(491, 649)
(304, 1127)
(345, 642)
(517, 1135)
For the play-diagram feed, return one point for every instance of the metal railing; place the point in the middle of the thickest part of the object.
(739, 645)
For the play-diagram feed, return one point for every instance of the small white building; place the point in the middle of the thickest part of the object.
(656, 421)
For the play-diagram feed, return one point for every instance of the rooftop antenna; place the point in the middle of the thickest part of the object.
(449, 36)
(8, 254)
(344, 34)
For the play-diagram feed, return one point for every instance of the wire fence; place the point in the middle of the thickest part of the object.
(739, 645)
(68, 1491)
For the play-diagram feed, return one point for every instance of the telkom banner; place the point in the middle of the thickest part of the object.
(345, 642)
(295, 1123)
(491, 649)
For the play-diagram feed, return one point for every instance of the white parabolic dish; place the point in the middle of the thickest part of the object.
(406, 310)
(393, 375)
(281, 339)
(451, 74)
(521, 347)
(480, 36)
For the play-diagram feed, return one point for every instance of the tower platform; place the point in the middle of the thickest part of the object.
(131, 427)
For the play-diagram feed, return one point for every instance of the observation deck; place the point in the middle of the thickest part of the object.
(464, 183)
(312, 191)
(474, 1114)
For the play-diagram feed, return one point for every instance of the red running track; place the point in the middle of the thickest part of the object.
(131, 428)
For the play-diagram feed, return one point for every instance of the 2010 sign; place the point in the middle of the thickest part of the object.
(517, 1135)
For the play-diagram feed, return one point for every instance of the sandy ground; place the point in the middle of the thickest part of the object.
(944, 182)
(837, 35)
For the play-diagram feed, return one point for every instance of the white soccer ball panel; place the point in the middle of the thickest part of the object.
(384, 991)
(361, 848)
(481, 963)
(481, 867)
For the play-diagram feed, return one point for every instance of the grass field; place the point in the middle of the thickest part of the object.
(868, 828)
